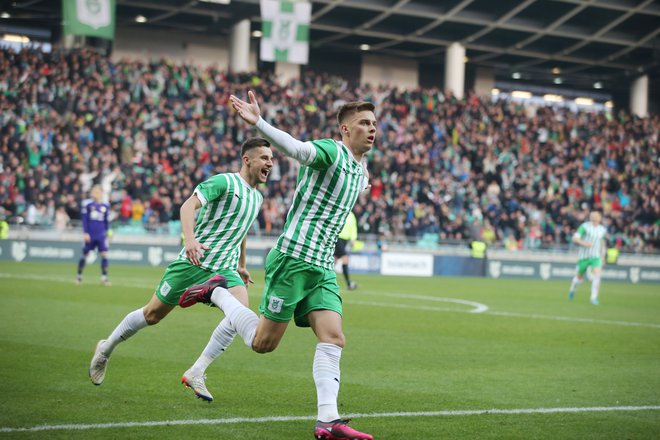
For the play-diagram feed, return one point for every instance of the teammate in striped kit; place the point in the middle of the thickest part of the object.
(590, 236)
(214, 245)
(301, 282)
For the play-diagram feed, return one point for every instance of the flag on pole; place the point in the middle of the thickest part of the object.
(93, 18)
(285, 31)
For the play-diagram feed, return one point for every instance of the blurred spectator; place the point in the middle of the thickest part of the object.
(443, 166)
(61, 223)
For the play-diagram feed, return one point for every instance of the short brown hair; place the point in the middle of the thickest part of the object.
(254, 142)
(351, 108)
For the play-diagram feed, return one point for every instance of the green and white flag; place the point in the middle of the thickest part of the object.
(93, 18)
(285, 29)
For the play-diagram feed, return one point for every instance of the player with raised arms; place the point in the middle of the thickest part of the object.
(301, 283)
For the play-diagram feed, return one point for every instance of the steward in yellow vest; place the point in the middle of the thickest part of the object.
(478, 249)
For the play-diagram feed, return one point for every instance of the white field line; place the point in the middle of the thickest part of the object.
(88, 281)
(508, 314)
(477, 307)
(448, 413)
(483, 309)
(573, 319)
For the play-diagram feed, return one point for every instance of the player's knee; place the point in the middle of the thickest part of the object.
(152, 317)
(262, 349)
(337, 339)
(264, 345)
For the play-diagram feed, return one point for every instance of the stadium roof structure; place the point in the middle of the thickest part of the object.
(580, 41)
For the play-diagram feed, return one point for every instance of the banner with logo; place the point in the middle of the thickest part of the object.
(414, 265)
(566, 271)
(119, 253)
(92, 18)
(386, 263)
(285, 31)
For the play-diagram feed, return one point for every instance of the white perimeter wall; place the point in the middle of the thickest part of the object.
(179, 46)
(383, 70)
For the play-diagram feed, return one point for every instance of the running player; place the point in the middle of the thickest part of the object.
(214, 245)
(301, 282)
(590, 236)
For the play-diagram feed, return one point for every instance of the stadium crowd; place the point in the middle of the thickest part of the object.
(509, 174)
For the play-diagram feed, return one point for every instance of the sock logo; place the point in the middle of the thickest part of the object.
(165, 288)
(275, 304)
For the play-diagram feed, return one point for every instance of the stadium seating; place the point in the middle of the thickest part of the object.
(148, 132)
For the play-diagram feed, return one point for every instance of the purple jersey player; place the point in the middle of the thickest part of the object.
(95, 227)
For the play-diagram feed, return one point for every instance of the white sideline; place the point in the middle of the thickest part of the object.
(78, 427)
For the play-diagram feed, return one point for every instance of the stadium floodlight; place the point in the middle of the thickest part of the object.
(557, 80)
(5, 15)
(584, 101)
(609, 104)
(257, 33)
(598, 85)
(516, 75)
(556, 70)
(495, 92)
(141, 19)
(552, 98)
(521, 94)
(364, 47)
(218, 2)
(13, 38)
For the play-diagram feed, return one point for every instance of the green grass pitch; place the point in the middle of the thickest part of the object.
(426, 358)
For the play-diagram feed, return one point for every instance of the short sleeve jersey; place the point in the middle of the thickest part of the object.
(95, 218)
(594, 235)
(326, 192)
(229, 207)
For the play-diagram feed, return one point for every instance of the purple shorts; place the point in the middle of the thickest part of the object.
(100, 243)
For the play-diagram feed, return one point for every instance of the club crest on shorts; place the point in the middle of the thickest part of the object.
(275, 304)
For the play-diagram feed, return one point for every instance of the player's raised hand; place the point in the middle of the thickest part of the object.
(248, 111)
(195, 250)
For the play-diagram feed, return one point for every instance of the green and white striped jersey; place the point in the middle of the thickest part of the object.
(325, 194)
(229, 207)
(594, 235)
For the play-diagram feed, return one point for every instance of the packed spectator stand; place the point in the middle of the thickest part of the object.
(442, 170)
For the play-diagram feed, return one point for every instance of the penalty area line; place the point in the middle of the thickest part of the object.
(229, 421)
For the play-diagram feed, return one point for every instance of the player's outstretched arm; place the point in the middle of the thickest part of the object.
(303, 152)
